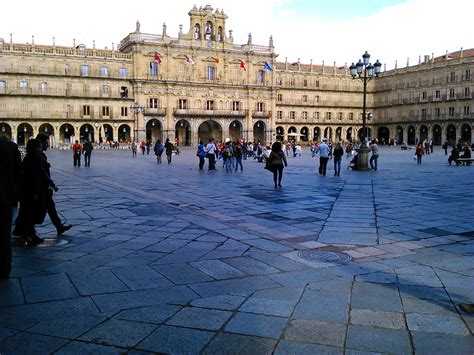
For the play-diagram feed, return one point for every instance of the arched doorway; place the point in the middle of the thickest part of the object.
(66, 133)
(108, 134)
(328, 133)
(423, 133)
(349, 134)
(280, 133)
(360, 133)
(183, 132)
(466, 133)
(209, 129)
(292, 133)
(259, 130)
(86, 132)
(451, 134)
(304, 134)
(436, 135)
(399, 135)
(124, 135)
(317, 134)
(338, 134)
(25, 132)
(235, 131)
(5, 130)
(383, 135)
(46, 129)
(153, 130)
(411, 135)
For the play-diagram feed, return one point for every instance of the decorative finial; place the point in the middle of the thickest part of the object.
(164, 29)
(74, 42)
(408, 61)
(93, 44)
(249, 42)
(137, 28)
(180, 30)
(113, 46)
(33, 40)
(271, 42)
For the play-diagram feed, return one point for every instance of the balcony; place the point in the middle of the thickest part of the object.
(200, 112)
(261, 114)
(63, 92)
(21, 115)
(158, 111)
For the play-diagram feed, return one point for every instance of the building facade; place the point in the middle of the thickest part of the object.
(202, 85)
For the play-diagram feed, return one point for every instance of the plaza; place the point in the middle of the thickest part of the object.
(165, 258)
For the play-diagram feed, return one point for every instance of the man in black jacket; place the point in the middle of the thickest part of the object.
(10, 183)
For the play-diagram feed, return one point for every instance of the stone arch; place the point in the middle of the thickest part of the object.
(183, 132)
(466, 133)
(197, 31)
(423, 133)
(86, 132)
(24, 133)
(209, 129)
(66, 133)
(437, 135)
(349, 134)
(328, 133)
(235, 130)
(46, 129)
(316, 134)
(367, 135)
(304, 134)
(400, 135)
(280, 133)
(259, 131)
(124, 134)
(451, 134)
(411, 136)
(5, 130)
(154, 130)
(383, 135)
(338, 134)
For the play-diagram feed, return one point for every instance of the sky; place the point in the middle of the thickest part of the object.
(322, 30)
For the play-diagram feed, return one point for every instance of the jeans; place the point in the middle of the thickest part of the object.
(201, 163)
(323, 163)
(418, 158)
(337, 165)
(238, 161)
(77, 159)
(87, 159)
(228, 165)
(212, 161)
(277, 174)
(373, 161)
(6, 213)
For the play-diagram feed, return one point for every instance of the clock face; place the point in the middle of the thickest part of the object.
(210, 44)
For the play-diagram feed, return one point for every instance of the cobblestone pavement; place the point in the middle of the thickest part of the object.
(169, 259)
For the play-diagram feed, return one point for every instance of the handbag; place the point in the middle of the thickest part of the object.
(268, 165)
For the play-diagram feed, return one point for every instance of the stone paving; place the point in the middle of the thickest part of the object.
(169, 259)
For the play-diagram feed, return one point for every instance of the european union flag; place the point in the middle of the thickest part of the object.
(267, 66)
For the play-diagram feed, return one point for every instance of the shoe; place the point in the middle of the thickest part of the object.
(63, 228)
(337, 174)
(279, 185)
(275, 186)
(33, 240)
(467, 307)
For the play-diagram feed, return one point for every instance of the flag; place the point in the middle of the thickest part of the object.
(242, 65)
(157, 58)
(217, 59)
(267, 66)
(189, 60)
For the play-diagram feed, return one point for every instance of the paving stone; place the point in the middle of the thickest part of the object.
(182, 273)
(59, 287)
(5, 333)
(192, 317)
(11, 293)
(96, 282)
(270, 307)
(312, 331)
(152, 314)
(415, 305)
(119, 333)
(173, 340)
(251, 266)
(324, 306)
(256, 324)
(242, 286)
(223, 302)
(378, 340)
(377, 297)
(240, 344)
(141, 278)
(378, 277)
(435, 323)
(367, 317)
(218, 269)
(293, 347)
(434, 343)
(31, 344)
(79, 347)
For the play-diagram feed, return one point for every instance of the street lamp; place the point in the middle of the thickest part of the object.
(365, 71)
(136, 109)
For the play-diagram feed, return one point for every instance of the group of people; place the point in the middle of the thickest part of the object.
(459, 151)
(28, 181)
(78, 149)
(231, 154)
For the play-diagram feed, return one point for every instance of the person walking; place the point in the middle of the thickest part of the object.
(277, 159)
(159, 148)
(143, 146)
(87, 148)
(134, 149)
(168, 149)
(201, 154)
(238, 154)
(323, 151)
(148, 147)
(211, 150)
(337, 154)
(227, 157)
(419, 153)
(348, 150)
(431, 145)
(76, 154)
(375, 155)
(445, 147)
(10, 186)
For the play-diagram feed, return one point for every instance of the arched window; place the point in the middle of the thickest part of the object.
(208, 31)
(261, 77)
(153, 69)
(197, 31)
(220, 34)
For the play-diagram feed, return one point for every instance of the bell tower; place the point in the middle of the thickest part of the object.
(207, 25)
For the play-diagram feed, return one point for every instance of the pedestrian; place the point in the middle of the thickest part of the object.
(148, 147)
(168, 149)
(427, 147)
(276, 160)
(76, 154)
(348, 151)
(159, 148)
(143, 146)
(201, 154)
(87, 148)
(10, 185)
(323, 151)
(454, 155)
(375, 155)
(226, 157)
(134, 149)
(337, 154)
(238, 154)
(445, 147)
(211, 150)
(419, 152)
(431, 145)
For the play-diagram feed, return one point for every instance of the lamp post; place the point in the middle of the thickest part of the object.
(136, 109)
(364, 71)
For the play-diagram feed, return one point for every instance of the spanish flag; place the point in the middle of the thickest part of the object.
(157, 58)
(242, 65)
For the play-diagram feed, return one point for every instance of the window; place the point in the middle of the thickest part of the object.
(305, 82)
(124, 111)
(280, 81)
(316, 98)
(235, 105)
(43, 86)
(328, 115)
(23, 84)
(123, 72)
(437, 112)
(105, 89)
(84, 70)
(104, 71)
(467, 110)
(305, 115)
(452, 76)
(292, 82)
(211, 72)
(86, 110)
(279, 115)
(66, 69)
(182, 104)
(467, 92)
(153, 102)
(467, 74)
(305, 98)
(260, 106)
(3, 85)
(123, 92)
(451, 93)
(424, 95)
(339, 116)
(209, 105)
(292, 115)
(451, 111)
(423, 113)
(316, 83)
(279, 97)
(105, 111)
(261, 77)
(153, 71)
(351, 116)
(437, 94)
(316, 115)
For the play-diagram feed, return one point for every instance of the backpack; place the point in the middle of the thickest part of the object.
(159, 149)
